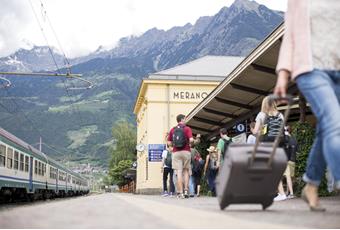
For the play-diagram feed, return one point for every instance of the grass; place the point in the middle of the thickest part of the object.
(79, 137)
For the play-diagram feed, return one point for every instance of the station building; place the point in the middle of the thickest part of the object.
(164, 95)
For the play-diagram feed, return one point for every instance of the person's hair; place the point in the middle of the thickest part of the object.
(268, 107)
(180, 117)
(224, 131)
(252, 124)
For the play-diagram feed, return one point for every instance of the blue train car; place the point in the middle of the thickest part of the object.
(25, 172)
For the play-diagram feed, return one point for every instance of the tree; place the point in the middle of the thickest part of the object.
(117, 172)
(125, 148)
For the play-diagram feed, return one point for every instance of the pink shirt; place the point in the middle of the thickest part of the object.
(295, 52)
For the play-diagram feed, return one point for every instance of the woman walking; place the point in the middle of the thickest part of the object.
(310, 56)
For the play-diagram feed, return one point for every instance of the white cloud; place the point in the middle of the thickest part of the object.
(83, 25)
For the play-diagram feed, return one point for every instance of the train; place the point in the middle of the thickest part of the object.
(27, 173)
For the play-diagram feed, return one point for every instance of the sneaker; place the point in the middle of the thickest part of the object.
(180, 196)
(171, 194)
(186, 194)
(280, 197)
(165, 193)
(192, 195)
(290, 196)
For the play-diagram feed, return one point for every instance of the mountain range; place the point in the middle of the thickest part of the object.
(78, 123)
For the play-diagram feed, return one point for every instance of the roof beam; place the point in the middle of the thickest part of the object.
(207, 121)
(234, 103)
(264, 69)
(249, 89)
(200, 129)
(240, 118)
(216, 112)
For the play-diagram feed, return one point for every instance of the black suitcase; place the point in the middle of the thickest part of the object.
(251, 173)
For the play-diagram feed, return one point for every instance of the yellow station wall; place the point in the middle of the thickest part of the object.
(158, 104)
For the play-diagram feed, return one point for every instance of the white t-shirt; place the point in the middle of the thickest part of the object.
(251, 139)
(261, 117)
(164, 153)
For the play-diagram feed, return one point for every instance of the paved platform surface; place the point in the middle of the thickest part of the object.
(112, 210)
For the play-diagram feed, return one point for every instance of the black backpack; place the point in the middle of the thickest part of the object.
(179, 140)
(168, 159)
(225, 146)
(272, 127)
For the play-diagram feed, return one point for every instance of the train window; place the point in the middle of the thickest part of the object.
(2, 155)
(16, 160)
(9, 158)
(35, 167)
(44, 169)
(39, 168)
(26, 163)
(21, 162)
(51, 172)
(69, 179)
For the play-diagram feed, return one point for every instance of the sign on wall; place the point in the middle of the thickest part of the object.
(155, 152)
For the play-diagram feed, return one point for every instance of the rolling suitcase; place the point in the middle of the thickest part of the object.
(251, 173)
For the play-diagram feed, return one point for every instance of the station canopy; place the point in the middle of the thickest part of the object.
(238, 97)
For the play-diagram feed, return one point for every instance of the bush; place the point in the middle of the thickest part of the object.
(305, 134)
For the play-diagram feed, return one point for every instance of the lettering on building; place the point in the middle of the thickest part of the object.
(186, 95)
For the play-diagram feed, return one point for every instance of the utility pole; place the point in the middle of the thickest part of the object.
(40, 142)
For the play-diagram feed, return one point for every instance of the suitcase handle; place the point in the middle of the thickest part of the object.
(272, 97)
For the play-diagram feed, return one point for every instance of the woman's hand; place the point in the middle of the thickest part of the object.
(281, 83)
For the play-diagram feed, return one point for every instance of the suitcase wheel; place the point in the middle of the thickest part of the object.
(265, 205)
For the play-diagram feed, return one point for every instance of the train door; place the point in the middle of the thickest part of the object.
(30, 185)
(66, 180)
(56, 180)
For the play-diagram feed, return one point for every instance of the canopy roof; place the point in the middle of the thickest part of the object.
(239, 95)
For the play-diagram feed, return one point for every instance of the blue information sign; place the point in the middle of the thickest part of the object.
(155, 152)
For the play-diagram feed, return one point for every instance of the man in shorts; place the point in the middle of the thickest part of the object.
(180, 137)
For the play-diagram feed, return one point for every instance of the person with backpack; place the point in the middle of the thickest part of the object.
(180, 137)
(167, 171)
(222, 145)
(211, 168)
(197, 169)
(268, 123)
(291, 147)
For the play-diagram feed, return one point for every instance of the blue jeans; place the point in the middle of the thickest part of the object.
(211, 180)
(322, 91)
(192, 185)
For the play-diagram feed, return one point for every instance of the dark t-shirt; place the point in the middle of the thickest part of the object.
(188, 135)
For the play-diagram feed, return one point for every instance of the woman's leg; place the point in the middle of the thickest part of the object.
(319, 89)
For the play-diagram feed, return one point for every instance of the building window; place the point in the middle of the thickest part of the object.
(2, 155)
(26, 163)
(9, 158)
(16, 160)
(22, 162)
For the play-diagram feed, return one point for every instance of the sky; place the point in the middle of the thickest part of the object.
(81, 26)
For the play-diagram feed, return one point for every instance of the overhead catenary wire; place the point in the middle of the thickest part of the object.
(75, 108)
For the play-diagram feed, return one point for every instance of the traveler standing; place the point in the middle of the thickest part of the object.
(179, 137)
(222, 145)
(290, 149)
(211, 168)
(167, 170)
(197, 169)
(251, 138)
(309, 56)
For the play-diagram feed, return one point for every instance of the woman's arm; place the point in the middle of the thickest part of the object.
(206, 164)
